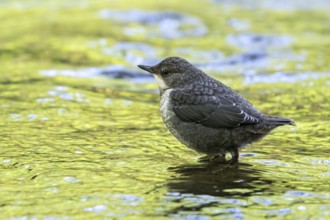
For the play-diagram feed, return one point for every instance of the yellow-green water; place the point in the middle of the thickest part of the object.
(96, 148)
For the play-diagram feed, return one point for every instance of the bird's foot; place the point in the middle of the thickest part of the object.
(233, 163)
(222, 158)
(219, 159)
(234, 157)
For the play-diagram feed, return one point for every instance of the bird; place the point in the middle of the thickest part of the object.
(206, 115)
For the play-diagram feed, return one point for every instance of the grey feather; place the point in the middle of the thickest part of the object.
(212, 111)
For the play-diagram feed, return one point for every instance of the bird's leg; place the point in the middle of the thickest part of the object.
(213, 159)
(234, 156)
(204, 159)
(221, 159)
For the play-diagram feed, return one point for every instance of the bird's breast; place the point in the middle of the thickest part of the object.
(166, 106)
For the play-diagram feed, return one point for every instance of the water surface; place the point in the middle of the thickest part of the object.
(80, 132)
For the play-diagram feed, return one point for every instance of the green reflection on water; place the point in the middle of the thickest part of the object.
(96, 148)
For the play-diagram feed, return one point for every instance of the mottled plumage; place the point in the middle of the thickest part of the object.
(206, 115)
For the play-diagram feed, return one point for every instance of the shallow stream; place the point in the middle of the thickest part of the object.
(80, 132)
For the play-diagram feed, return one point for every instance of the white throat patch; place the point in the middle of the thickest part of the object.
(161, 82)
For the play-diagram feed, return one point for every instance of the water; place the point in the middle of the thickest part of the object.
(80, 132)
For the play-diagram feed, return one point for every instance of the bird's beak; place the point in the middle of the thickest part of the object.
(146, 68)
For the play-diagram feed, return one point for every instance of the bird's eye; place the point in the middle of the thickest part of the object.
(165, 72)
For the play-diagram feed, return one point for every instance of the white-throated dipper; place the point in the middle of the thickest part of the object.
(206, 115)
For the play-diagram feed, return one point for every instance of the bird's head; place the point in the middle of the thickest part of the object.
(172, 72)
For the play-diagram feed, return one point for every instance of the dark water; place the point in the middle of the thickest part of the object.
(80, 131)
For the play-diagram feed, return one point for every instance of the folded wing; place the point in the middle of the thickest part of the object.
(209, 110)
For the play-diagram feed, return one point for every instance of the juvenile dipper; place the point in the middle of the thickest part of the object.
(206, 115)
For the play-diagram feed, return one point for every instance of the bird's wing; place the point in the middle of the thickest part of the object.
(209, 110)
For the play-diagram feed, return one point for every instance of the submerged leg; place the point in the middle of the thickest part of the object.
(218, 159)
(234, 156)
(221, 158)
(213, 159)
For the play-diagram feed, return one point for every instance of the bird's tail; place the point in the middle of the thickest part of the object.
(280, 121)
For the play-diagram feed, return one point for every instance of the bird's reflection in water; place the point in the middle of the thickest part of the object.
(217, 180)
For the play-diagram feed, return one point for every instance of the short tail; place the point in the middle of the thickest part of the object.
(280, 121)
